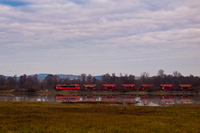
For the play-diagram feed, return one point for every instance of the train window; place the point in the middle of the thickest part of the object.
(63, 86)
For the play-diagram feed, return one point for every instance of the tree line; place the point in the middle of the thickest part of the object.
(33, 84)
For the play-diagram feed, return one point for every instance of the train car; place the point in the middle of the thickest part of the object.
(89, 87)
(109, 87)
(67, 87)
(128, 87)
(144, 87)
(187, 87)
(166, 87)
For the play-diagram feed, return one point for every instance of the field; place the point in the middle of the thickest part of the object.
(79, 117)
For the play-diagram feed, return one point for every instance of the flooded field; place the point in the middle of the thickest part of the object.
(137, 100)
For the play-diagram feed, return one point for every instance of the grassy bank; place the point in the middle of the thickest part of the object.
(62, 117)
(75, 92)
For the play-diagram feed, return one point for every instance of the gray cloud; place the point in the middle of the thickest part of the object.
(101, 31)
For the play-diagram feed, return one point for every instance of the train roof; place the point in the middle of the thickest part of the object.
(146, 85)
(89, 85)
(166, 85)
(67, 85)
(110, 85)
(128, 85)
(185, 85)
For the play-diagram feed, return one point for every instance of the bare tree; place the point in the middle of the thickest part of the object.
(2, 80)
(177, 74)
(22, 81)
(82, 77)
(145, 75)
(51, 81)
(89, 78)
(161, 73)
(11, 82)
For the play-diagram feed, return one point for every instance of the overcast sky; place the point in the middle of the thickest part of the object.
(99, 36)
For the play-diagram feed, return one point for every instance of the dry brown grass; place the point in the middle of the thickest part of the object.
(60, 117)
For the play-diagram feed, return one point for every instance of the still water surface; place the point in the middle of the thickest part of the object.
(138, 100)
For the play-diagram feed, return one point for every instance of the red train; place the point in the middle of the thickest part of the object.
(124, 87)
(67, 87)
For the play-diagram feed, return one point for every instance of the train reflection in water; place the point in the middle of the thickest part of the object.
(139, 100)
(143, 100)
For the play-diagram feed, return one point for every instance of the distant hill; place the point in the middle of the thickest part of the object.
(70, 76)
(42, 76)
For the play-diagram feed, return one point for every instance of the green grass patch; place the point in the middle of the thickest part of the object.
(61, 117)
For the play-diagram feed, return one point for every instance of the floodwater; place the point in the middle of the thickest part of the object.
(137, 100)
